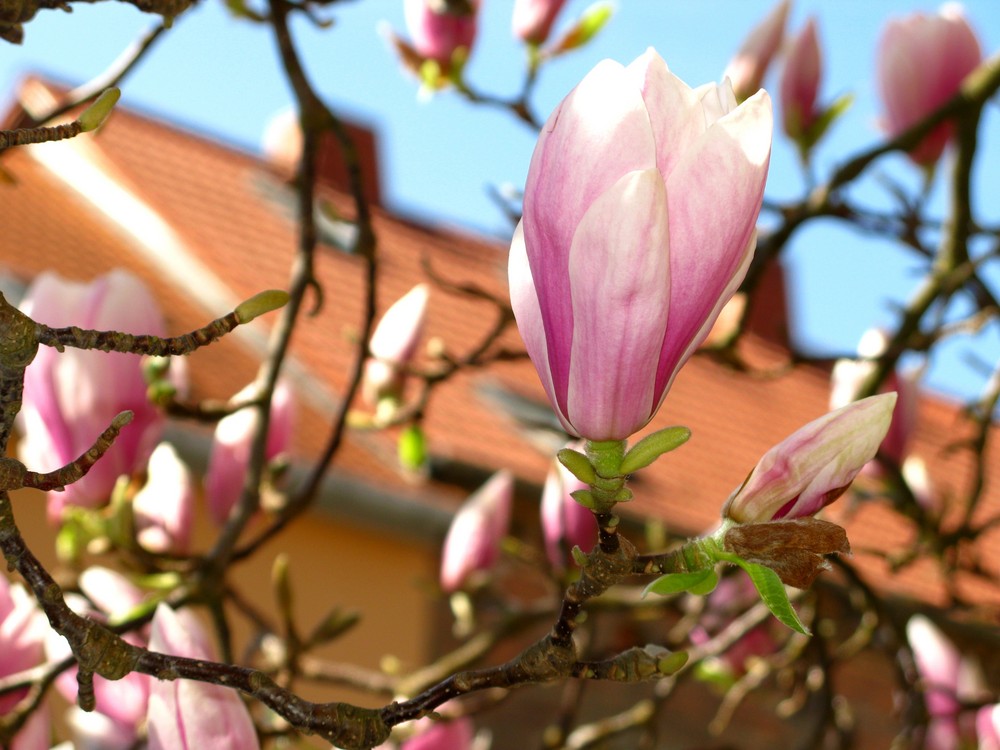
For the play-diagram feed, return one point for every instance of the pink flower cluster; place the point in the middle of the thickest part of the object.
(922, 60)
(70, 397)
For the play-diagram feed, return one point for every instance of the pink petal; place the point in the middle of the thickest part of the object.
(606, 116)
(619, 276)
(186, 714)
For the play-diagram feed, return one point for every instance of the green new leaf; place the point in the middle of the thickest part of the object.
(769, 587)
(698, 582)
(773, 594)
(651, 447)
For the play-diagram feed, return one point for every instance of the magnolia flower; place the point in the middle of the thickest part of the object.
(164, 508)
(639, 224)
(187, 714)
(70, 397)
(473, 540)
(814, 466)
(988, 727)
(565, 523)
(922, 60)
(393, 345)
(532, 19)
(800, 80)
(438, 29)
(732, 597)
(443, 735)
(120, 704)
(746, 70)
(22, 633)
(231, 444)
(947, 680)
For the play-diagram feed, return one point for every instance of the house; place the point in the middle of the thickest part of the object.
(206, 226)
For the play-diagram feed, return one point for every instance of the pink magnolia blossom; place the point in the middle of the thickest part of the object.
(473, 540)
(70, 397)
(639, 224)
(443, 735)
(565, 523)
(732, 596)
(186, 714)
(922, 60)
(847, 377)
(164, 507)
(22, 635)
(988, 727)
(532, 20)
(437, 31)
(812, 467)
(746, 70)
(800, 79)
(120, 704)
(393, 345)
(230, 454)
(940, 666)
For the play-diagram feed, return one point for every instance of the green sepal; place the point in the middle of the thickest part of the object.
(698, 582)
(585, 498)
(412, 448)
(651, 447)
(139, 611)
(810, 137)
(335, 624)
(578, 465)
(94, 116)
(260, 303)
(771, 590)
(671, 663)
(586, 28)
(623, 495)
(164, 582)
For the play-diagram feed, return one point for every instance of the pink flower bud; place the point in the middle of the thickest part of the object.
(940, 666)
(70, 397)
(565, 523)
(230, 456)
(922, 60)
(164, 508)
(473, 540)
(812, 467)
(120, 704)
(186, 714)
(533, 19)
(639, 224)
(443, 735)
(437, 29)
(746, 70)
(800, 80)
(988, 727)
(22, 634)
(393, 345)
(731, 597)
(848, 376)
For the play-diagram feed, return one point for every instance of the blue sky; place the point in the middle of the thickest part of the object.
(221, 76)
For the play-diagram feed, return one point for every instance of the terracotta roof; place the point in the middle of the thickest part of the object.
(232, 213)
